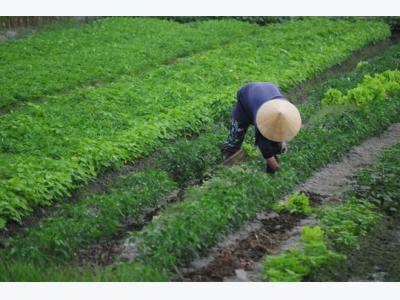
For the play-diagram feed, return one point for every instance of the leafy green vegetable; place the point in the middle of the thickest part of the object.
(47, 149)
(295, 264)
(296, 204)
(372, 88)
(187, 160)
(361, 64)
(341, 227)
(346, 223)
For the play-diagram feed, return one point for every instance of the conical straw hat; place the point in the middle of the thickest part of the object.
(278, 120)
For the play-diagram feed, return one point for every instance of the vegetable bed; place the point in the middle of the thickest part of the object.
(47, 149)
(102, 51)
(228, 200)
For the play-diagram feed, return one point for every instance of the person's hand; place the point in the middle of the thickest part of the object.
(269, 170)
(272, 164)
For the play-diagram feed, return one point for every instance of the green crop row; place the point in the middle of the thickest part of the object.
(34, 254)
(189, 160)
(377, 64)
(173, 159)
(50, 148)
(102, 51)
(294, 264)
(234, 195)
(56, 241)
(341, 227)
(27, 271)
(77, 225)
(295, 204)
(58, 238)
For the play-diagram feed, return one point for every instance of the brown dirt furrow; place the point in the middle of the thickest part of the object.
(240, 255)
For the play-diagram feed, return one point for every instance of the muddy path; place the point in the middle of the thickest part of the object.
(238, 256)
(332, 181)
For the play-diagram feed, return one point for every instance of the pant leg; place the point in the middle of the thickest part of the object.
(236, 135)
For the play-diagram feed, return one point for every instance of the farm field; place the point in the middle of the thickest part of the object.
(110, 165)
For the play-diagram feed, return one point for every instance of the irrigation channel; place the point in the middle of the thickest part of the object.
(238, 256)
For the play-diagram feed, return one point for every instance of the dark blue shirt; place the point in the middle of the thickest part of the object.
(250, 97)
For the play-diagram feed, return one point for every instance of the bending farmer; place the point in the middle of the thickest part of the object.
(275, 118)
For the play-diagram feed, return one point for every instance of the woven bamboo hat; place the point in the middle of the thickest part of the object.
(278, 120)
